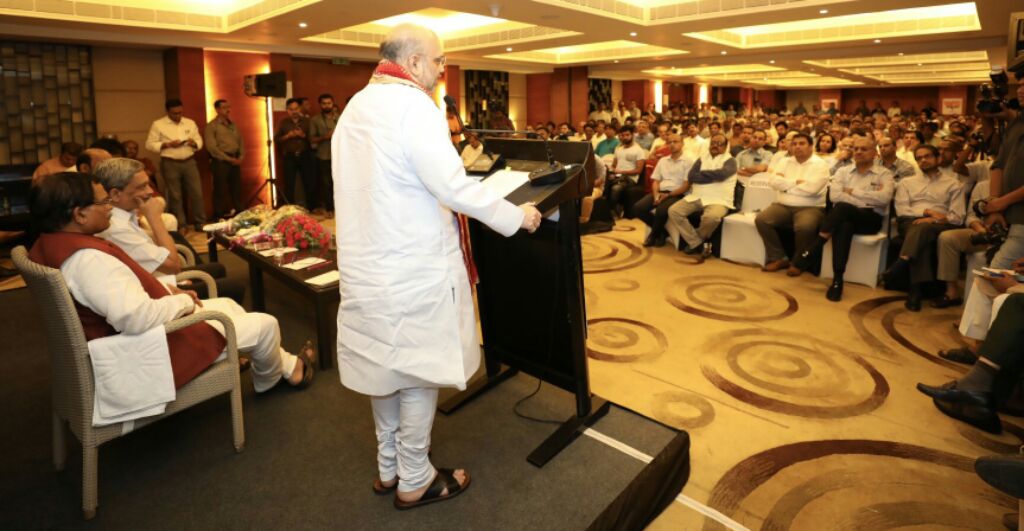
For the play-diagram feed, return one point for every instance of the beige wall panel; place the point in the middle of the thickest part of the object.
(517, 99)
(129, 85)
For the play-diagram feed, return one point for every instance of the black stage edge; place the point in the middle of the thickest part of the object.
(530, 293)
(651, 491)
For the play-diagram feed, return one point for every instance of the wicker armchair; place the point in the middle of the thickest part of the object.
(188, 258)
(72, 379)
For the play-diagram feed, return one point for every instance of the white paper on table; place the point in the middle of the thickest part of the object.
(305, 262)
(329, 277)
(280, 251)
(504, 182)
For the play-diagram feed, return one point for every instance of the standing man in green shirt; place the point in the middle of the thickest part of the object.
(224, 143)
(321, 129)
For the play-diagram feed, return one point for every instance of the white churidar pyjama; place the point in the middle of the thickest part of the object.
(403, 420)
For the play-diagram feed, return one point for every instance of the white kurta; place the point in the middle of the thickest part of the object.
(406, 314)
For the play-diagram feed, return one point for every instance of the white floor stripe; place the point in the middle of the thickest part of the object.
(682, 498)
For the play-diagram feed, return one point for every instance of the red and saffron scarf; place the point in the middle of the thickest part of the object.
(389, 72)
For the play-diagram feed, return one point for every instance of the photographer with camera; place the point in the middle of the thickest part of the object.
(1006, 204)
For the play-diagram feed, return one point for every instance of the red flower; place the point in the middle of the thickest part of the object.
(303, 244)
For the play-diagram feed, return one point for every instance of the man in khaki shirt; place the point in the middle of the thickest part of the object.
(224, 143)
(321, 129)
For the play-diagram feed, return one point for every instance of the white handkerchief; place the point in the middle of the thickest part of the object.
(305, 262)
(329, 277)
(132, 375)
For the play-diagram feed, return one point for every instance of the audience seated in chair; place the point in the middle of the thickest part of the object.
(712, 187)
(127, 183)
(668, 186)
(754, 159)
(800, 182)
(625, 172)
(115, 295)
(887, 159)
(69, 152)
(955, 243)
(984, 301)
(860, 195)
(926, 205)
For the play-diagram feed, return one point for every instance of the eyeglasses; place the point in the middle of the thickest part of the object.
(104, 202)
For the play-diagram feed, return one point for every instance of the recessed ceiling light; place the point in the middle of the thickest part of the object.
(878, 41)
(303, 25)
(724, 52)
(616, 60)
(632, 34)
(509, 49)
(772, 61)
(901, 54)
(823, 11)
(920, 64)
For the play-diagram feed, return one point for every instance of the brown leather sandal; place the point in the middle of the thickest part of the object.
(445, 478)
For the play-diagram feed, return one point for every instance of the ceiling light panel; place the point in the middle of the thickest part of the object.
(903, 59)
(594, 52)
(713, 70)
(944, 19)
(458, 31)
(923, 68)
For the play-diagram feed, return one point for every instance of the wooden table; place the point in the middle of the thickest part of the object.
(324, 298)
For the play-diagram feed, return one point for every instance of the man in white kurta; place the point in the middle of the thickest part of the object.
(405, 322)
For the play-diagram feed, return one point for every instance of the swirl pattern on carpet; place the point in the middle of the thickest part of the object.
(604, 254)
(793, 374)
(858, 484)
(891, 331)
(623, 340)
(727, 298)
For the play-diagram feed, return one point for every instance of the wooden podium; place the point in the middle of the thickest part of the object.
(530, 293)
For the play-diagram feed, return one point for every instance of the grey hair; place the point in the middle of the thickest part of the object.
(403, 41)
(117, 173)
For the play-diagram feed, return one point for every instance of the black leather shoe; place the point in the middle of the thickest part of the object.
(946, 302)
(659, 241)
(649, 242)
(1004, 472)
(913, 300)
(695, 250)
(980, 417)
(835, 291)
(948, 392)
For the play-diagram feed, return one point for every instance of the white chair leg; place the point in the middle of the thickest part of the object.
(237, 418)
(60, 445)
(90, 481)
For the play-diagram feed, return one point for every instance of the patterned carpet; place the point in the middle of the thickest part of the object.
(802, 412)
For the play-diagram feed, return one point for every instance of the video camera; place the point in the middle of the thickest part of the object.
(992, 96)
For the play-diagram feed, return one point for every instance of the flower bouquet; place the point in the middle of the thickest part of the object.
(302, 231)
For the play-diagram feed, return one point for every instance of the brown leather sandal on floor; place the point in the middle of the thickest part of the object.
(380, 490)
(445, 478)
(307, 365)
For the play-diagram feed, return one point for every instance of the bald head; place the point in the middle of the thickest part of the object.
(418, 50)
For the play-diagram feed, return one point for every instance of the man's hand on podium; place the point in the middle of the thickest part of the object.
(531, 217)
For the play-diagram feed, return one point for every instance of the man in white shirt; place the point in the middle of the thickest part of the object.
(600, 113)
(663, 138)
(177, 140)
(128, 185)
(668, 184)
(599, 135)
(800, 183)
(116, 296)
(910, 141)
(860, 194)
(406, 326)
(694, 145)
(926, 206)
(712, 186)
(625, 171)
(472, 151)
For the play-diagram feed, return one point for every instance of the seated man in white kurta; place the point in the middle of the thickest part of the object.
(405, 322)
(115, 295)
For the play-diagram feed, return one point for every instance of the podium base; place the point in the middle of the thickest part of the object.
(567, 433)
(475, 389)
